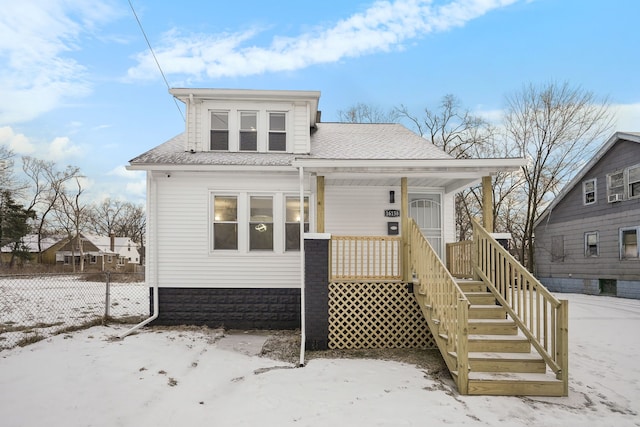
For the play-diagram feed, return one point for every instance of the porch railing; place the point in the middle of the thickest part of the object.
(541, 316)
(459, 259)
(445, 305)
(375, 258)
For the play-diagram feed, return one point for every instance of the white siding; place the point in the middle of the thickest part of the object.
(358, 211)
(301, 128)
(183, 230)
(449, 218)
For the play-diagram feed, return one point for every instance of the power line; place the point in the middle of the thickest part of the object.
(154, 57)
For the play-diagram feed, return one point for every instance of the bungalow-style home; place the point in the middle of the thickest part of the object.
(587, 239)
(259, 215)
(101, 253)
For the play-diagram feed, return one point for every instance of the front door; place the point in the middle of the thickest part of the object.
(426, 211)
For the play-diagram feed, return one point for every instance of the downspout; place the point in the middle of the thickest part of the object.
(303, 334)
(152, 187)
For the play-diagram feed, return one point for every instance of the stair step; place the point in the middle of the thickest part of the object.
(487, 312)
(530, 362)
(499, 343)
(471, 285)
(514, 384)
(481, 298)
(492, 327)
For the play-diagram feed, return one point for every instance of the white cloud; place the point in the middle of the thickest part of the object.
(627, 117)
(36, 36)
(383, 27)
(18, 143)
(122, 172)
(62, 148)
(137, 189)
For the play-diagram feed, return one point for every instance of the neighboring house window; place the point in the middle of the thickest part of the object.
(277, 132)
(225, 223)
(634, 181)
(121, 260)
(248, 131)
(93, 259)
(557, 248)
(591, 244)
(67, 260)
(109, 259)
(219, 130)
(292, 222)
(629, 243)
(589, 191)
(260, 223)
(615, 187)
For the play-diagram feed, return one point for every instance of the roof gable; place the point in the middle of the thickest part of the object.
(578, 178)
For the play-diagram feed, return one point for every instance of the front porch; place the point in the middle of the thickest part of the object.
(498, 329)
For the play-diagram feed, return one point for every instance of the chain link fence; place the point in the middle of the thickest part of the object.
(34, 307)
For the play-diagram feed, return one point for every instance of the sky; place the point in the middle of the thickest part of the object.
(197, 377)
(79, 86)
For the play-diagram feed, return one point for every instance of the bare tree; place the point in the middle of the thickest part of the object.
(125, 219)
(72, 214)
(46, 187)
(463, 135)
(367, 113)
(556, 126)
(453, 128)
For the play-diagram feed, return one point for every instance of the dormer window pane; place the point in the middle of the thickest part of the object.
(248, 131)
(277, 132)
(219, 131)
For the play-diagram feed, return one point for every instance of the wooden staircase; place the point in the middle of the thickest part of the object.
(501, 359)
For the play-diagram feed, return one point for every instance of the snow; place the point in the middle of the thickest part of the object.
(199, 377)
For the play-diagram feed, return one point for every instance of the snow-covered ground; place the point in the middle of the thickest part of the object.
(198, 378)
(41, 306)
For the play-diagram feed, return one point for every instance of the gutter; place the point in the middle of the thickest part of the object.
(303, 334)
(151, 189)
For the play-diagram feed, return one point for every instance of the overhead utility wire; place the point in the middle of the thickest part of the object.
(154, 57)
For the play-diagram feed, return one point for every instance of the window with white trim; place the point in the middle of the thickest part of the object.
(225, 223)
(589, 192)
(219, 134)
(292, 222)
(254, 222)
(629, 242)
(633, 181)
(260, 223)
(248, 131)
(277, 132)
(591, 244)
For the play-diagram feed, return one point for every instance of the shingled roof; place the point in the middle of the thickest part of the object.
(328, 141)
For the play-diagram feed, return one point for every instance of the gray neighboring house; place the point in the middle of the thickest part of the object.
(587, 239)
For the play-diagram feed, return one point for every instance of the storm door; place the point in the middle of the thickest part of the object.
(426, 210)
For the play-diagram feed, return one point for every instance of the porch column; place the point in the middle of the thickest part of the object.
(320, 204)
(404, 226)
(487, 204)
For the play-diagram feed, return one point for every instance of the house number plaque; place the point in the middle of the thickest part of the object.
(392, 213)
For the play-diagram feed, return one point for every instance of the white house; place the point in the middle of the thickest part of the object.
(228, 198)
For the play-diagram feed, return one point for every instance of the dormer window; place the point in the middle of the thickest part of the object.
(248, 131)
(219, 130)
(277, 132)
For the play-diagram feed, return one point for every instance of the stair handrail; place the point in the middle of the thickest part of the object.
(448, 304)
(542, 317)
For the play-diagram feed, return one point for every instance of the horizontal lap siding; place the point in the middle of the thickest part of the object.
(358, 211)
(184, 259)
(606, 266)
